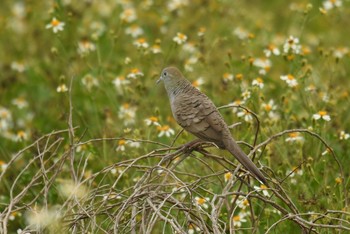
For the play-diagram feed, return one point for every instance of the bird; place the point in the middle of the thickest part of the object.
(197, 114)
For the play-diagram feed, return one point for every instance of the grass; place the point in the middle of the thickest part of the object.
(88, 142)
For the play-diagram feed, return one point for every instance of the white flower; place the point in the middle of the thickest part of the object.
(134, 73)
(241, 33)
(321, 115)
(18, 66)
(271, 49)
(21, 136)
(246, 95)
(263, 63)
(56, 25)
(227, 176)
(227, 77)
(258, 82)
(121, 145)
(189, 47)
(152, 121)
(3, 165)
(20, 102)
(180, 38)
(290, 80)
(291, 45)
(127, 113)
(119, 83)
(141, 43)
(246, 115)
(237, 103)
(197, 83)
(294, 137)
(262, 189)
(239, 219)
(330, 4)
(89, 81)
(165, 130)
(62, 88)
(189, 62)
(340, 52)
(242, 202)
(176, 4)
(155, 49)
(134, 31)
(202, 202)
(85, 47)
(344, 136)
(128, 15)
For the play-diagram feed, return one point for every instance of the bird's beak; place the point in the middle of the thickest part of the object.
(160, 78)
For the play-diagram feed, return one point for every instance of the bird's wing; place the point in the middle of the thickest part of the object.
(198, 115)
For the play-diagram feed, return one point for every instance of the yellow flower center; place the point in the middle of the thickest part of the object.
(126, 105)
(290, 77)
(236, 218)
(245, 202)
(121, 142)
(141, 40)
(293, 134)
(259, 80)
(135, 70)
(268, 107)
(21, 134)
(195, 83)
(121, 77)
(226, 75)
(163, 128)
(2, 163)
(200, 201)
(181, 36)
(55, 22)
(239, 76)
(271, 47)
(263, 186)
(153, 119)
(338, 180)
(322, 113)
(228, 175)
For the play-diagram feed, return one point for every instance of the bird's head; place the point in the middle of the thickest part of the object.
(169, 75)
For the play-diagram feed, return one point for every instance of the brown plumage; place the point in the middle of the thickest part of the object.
(197, 114)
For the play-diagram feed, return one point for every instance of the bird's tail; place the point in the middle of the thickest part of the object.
(236, 151)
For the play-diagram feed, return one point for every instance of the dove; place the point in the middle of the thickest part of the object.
(197, 114)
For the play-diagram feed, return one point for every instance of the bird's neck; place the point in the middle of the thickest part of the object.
(177, 87)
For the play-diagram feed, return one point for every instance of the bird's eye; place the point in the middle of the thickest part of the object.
(165, 73)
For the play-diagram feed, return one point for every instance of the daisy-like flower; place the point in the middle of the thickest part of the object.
(264, 64)
(128, 15)
(18, 66)
(189, 47)
(237, 103)
(242, 202)
(294, 137)
(292, 173)
(201, 31)
(239, 76)
(241, 33)
(177, 4)
(141, 43)
(180, 38)
(262, 189)
(119, 83)
(21, 136)
(291, 45)
(13, 215)
(134, 73)
(271, 49)
(134, 30)
(327, 151)
(321, 115)
(89, 81)
(330, 4)
(202, 202)
(246, 95)
(227, 176)
(85, 47)
(155, 49)
(340, 52)
(198, 83)
(56, 25)
(127, 113)
(270, 106)
(258, 82)
(247, 116)
(189, 62)
(165, 130)
(62, 88)
(290, 80)
(239, 219)
(343, 135)
(338, 180)
(20, 102)
(3, 165)
(121, 145)
(226, 77)
(152, 121)
(311, 88)
(192, 229)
